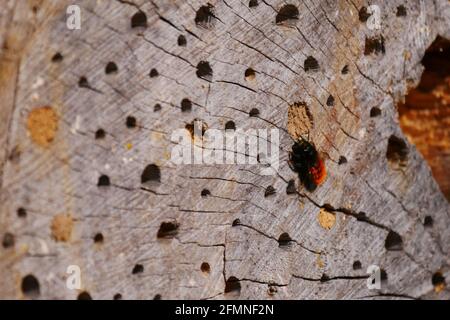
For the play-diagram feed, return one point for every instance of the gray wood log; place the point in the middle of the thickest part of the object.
(51, 161)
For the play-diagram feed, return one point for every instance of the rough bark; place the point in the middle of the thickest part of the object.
(52, 208)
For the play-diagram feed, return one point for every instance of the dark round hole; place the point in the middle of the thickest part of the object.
(253, 3)
(236, 222)
(205, 16)
(204, 70)
(342, 160)
(139, 19)
(181, 40)
(330, 101)
(83, 82)
(131, 122)
(249, 74)
(98, 238)
(401, 11)
(363, 14)
(428, 221)
(205, 267)
(284, 240)
(375, 112)
(100, 134)
(357, 265)
(157, 107)
(437, 279)
(393, 241)
(286, 13)
(30, 286)
(57, 57)
(397, 149)
(103, 181)
(290, 189)
(151, 173)
(21, 212)
(254, 112)
(269, 191)
(138, 268)
(8, 240)
(186, 105)
(345, 69)
(111, 67)
(117, 296)
(205, 193)
(233, 286)
(311, 64)
(230, 125)
(168, 230)
(157, 297)
(84, 296)
(153, 73)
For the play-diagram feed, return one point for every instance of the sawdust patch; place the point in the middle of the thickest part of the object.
(300, 120)
(326, 219)
(61, 227)
(42, 125)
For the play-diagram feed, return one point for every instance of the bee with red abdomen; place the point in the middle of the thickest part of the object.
(305, 160)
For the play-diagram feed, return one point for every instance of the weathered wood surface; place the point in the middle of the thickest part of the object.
(52, 171)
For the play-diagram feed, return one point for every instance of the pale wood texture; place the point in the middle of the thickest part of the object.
(53, 173)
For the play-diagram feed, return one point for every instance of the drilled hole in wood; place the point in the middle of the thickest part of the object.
(269, 191)
(181, 41)
(98, 238)
(401, 11)
(253, 3)
(291, 189)
(8, 240)
(151, 173)
(397, 150)
(254, 112)
(157, 107)
(236, 222)
(83, 82)
(342, 160)
(330, 101)
(22, 212)
(357, 265)
(57, 57)
(393, 241)
(311, 64)
(30, 286)
(375, 112)
(205, 193)
(84, 296)
(100, 134)
(363, 14)
(284, 240)
(345, 69)
(287, 13)
(111, 67)
(186, 105)
(204, 70)
(103, 181)
(157, 297)
(230, 125)
(438, 279)
(204, 16)
(130, 122)
(383, 275)
(139, 19)
(138, 268)
(117, 296)
(272, 290)
(428, 222)
(232, 287)
(205, 267)
(153, 73)
(374, 45)
(249, 74)
(168, 230)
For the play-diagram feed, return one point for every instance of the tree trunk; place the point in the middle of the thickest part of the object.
(86, 175)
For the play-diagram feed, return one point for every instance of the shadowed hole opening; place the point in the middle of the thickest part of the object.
(204, 70)
(57, 57)
(357, 265)
(8, 240)
(428, 222)
(287, 13)
(84, 296)
(291, 189)
(139, 19)
(253, 3)
(254, 112)
(397, 149)
(375, 112)
(181, 41)
(230, 125)
(30, 286)
(204, 16)
(157, 107)
(236, 222)
(374, 45)
(330, 101)
(232, 287)
(311, 64)
(438, 279)
(205, 267)
(363, 14)
(168, 230)
(153, 73)
(249, 74)
(21, 212)
(393, 241)
(117, 296)
(100, 134)
(186, 105)
(284, 240)
(401, 11)
(157, 297)
(111, 67)
(130, 122)
(138, 268)
(83, 82)
(103, 181)
(205, 193)
(270, 190)
(151, 173)
(345, 70)
(342, 160)
(98, 238)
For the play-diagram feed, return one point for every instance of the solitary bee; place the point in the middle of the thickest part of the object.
(305, 160)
